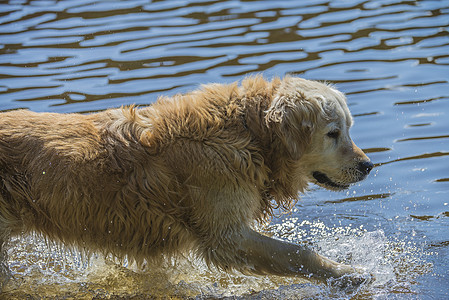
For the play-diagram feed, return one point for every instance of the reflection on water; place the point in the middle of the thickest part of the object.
(390, 57)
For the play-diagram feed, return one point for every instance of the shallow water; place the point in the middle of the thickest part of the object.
(390, 57)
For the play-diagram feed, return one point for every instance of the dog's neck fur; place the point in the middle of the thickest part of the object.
(281, 186)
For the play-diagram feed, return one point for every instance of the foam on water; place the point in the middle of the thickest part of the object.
(44, 269)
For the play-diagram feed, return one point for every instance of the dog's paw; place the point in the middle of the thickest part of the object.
(352, 281)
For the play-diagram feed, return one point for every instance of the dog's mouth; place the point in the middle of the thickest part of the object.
(326, 182)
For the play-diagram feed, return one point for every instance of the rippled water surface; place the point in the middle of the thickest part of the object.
(390, 57)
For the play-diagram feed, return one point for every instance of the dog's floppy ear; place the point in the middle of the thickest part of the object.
(292, 121)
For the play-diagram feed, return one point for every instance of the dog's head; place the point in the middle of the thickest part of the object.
(312, 122)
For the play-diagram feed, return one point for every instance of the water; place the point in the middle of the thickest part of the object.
(390, 57)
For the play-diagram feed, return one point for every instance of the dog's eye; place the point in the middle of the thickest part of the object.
(334, 134)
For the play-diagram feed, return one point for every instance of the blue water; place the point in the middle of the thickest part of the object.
(390, 57)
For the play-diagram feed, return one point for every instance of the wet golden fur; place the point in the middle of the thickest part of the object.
(190, 172)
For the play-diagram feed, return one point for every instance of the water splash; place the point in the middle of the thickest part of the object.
(41, 268)
(393, 264)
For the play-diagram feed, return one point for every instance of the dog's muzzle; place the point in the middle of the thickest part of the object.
(364, 167)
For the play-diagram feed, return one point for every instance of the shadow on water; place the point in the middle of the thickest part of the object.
(390, 58)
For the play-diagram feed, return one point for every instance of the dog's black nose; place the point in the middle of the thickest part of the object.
(365, 167)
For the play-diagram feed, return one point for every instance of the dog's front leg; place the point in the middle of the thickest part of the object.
(225, 239)
(264, 255)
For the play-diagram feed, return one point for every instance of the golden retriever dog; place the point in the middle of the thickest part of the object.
(191, 172)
